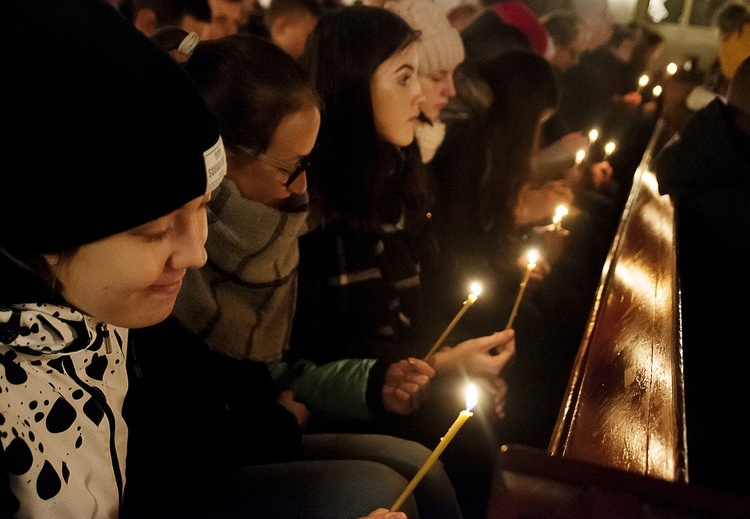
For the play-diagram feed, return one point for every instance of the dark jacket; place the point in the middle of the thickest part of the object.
(194, 415)
(707, 174)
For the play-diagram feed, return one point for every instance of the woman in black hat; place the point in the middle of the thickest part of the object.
(109, 155)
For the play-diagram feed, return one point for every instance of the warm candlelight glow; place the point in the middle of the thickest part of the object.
(532, 256)
(471, 401)
(593, 135)
(610, 148)
(671, 68)
(472, 396)
(476, 289)
(657, 91)
(560, 211)
(643, 80)
(580, 155)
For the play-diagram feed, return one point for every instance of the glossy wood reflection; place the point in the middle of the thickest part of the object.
(624, 405)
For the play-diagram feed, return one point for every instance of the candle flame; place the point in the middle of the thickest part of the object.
(471, 397)
(475, 288)
(560, 211)
(657, 91)
(593, 134)
(580, 155)
(643, 80)
(671, 68)
(610, 147)
(532, 255)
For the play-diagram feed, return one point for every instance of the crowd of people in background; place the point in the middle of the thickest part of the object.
(228, 306)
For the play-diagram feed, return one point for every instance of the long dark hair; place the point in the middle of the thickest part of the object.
(251, 85)
(349, 176)
(523, 87)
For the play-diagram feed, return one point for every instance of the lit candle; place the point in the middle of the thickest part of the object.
(560, 211)
(471, 401)
(593, 135)
(476, 289)
(609, 148)
(532, 255)
(656, 91)
(580, 155)
(671, 69)
(643, 81)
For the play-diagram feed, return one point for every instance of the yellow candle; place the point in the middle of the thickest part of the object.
(671, 68)
(476, 289)
(533, 255)
(593, 135)
(656, 91)
(471, 401)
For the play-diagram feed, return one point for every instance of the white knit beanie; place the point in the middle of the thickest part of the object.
(440, 46)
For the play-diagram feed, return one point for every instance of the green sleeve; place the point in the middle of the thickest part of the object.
(336, 390)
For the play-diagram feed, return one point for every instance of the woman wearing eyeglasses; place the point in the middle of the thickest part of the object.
(242, 301)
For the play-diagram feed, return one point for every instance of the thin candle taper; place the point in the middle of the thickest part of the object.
(471, 400)
(476, 289)
(533, 256)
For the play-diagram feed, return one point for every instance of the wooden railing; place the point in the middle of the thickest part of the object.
(624, 406)
(531, 484)
(619, 445)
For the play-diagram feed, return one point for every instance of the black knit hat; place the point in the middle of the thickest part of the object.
(100, 131)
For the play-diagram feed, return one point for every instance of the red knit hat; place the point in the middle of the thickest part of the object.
(520, 15)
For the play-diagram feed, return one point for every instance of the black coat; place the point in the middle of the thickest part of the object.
(194, 415)
(707, 174)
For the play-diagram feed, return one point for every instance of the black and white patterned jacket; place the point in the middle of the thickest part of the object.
(62, 385)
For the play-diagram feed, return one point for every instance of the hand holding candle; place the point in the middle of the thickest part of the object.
(471, 401)
(405, 386)
(533, 256)
(476, 289)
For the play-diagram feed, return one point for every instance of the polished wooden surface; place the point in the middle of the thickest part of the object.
(529, 483)
(624, 406)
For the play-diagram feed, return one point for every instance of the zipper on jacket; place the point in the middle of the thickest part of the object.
(107, 340)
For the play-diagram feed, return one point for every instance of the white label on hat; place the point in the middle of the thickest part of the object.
(216, 165)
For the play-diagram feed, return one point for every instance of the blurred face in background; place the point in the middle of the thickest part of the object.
(438, 88)
(226, 18)
(596, 21)
(396, 95)
(290, 32)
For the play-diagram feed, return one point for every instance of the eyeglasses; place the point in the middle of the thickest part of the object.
(294, 171)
